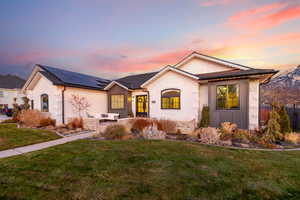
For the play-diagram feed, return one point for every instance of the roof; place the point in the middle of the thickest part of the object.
(135, 81)
(11, 82)
(73, 79)
(213, 59)
(235, 73)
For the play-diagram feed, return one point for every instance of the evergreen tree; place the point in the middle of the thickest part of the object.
(272, 132)
(285, 124)
(204, 117)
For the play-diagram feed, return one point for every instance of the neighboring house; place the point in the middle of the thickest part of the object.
(176, 92)
(10, 88)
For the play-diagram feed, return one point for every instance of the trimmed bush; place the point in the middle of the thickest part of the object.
(47, 122)
(285, 124)
(205, 119)
(31, 118)
(293, 138)
(168, 126)
(115, 132)
(140, 124)
(75, 123)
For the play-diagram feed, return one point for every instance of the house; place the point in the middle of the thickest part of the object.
(176, 92)
(10, 88)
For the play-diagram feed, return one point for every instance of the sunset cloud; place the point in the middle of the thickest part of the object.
(209, 3)
(265, 17)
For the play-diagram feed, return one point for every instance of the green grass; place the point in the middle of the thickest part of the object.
(135, 169)
(12, 137)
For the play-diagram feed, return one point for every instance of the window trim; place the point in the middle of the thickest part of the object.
(161, 98)
(124, 105)
(239, 103)
(42, 110)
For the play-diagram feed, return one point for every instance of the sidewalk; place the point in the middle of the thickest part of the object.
(44, 145)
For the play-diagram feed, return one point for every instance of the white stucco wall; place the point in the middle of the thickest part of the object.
(253, 104)
(203, 97)
(189, 97)
(199, 66)
(96, 99)
(44, 86)
(9, 95)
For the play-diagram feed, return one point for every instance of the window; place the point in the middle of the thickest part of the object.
(44, 103)
(227, 97)
(1, 94)
(170, 99)
(117, 101)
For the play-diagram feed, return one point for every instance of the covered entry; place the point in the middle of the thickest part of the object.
(141, 105)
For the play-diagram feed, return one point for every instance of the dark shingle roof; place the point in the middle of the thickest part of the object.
(135, 81)
(11, 82)
(73, 79)
(235, 73)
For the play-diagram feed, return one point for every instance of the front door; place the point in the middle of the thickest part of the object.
(141, 106)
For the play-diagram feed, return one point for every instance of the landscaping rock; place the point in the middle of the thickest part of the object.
(242, 145)
(151, 132)
(228, 127)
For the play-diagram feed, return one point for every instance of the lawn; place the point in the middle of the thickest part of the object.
(90, 169)
(11, 136)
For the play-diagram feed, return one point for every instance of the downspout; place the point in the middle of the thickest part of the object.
(148, 99)
(63, 104)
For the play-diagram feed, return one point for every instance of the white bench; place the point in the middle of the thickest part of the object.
(107, 116)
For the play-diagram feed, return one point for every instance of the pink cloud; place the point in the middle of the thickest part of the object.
(265, 17)
(209, 3)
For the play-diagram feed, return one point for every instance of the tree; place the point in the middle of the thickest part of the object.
(79, 104)
(204, 117)
(16, 109)
(285, 124)
(272, 132)
(26, 105)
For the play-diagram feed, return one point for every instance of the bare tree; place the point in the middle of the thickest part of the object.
(79, 104)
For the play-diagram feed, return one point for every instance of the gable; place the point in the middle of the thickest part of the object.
(199, 66)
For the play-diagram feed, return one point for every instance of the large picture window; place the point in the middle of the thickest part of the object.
(170, 99)
(44, 103)
(117, 101)
(227, 97)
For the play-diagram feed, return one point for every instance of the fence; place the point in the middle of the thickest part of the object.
(294, 114)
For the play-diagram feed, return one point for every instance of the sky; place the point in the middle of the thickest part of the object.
(113, 38)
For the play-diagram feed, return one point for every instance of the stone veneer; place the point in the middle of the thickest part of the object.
(253, 104)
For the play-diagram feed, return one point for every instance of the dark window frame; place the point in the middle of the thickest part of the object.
(238, 92)
(165, 91)
(124, 103)
(42, 101)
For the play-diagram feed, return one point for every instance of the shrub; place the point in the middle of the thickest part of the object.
(168, 126)
(204, 117)
(285, 124)
(116, 131)
(227, 130)
(293, 138)
(140, 124)
(75, 123)
(47, 122)
(9, 121)
(272, 131)
(31, 118)
(209, 135)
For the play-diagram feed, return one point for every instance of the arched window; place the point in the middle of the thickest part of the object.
(170, 99)
(44, 103)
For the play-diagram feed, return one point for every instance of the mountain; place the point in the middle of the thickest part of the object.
(11, 81)
(290, 79)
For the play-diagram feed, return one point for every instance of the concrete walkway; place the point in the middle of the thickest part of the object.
(44, 145)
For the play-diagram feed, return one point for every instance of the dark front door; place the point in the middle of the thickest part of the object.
(141, 106)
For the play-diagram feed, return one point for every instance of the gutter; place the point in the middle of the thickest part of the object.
(63, 104)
